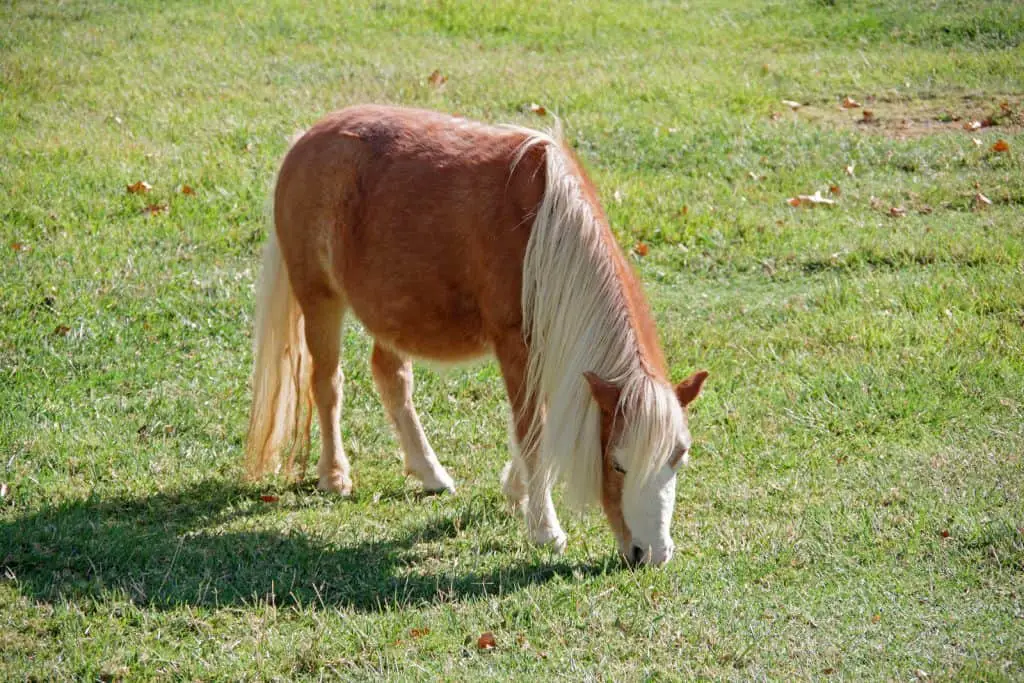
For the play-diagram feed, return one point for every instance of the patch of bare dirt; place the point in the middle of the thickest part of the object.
(907, 119)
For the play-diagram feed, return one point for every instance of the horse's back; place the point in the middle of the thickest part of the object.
(416, 219)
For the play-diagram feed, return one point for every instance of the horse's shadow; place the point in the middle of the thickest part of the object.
(172, 548)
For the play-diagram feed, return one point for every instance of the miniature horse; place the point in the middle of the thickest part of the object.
(451, 239)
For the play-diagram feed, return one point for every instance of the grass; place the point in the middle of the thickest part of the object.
(854, 510)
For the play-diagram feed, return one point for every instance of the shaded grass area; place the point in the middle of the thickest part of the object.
(854, 508)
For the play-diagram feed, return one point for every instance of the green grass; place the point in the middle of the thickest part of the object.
(854, 509)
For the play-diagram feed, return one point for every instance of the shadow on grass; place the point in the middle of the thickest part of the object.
(164, 550)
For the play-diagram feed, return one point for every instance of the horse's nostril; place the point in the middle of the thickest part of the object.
(637, 555)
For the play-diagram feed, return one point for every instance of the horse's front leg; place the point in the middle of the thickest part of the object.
(525, 472)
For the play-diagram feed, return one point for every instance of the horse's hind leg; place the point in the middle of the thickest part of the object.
(393, 377)
(323, 317)
(539, 510)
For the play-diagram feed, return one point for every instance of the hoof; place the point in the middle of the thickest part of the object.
(336, 484)
(552, 538)
(435, 482)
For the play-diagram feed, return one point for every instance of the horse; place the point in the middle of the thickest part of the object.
(450, 240)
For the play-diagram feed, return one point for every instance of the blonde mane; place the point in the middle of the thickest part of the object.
(576, 318)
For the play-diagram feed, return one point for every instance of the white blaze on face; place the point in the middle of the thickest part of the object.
(647, 508)
(647, 511)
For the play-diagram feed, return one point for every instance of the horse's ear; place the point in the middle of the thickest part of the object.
(687, 390)
(605, 393)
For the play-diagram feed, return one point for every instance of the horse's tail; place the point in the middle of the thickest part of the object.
(282, 399)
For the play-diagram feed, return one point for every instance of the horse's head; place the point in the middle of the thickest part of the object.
(644, 440)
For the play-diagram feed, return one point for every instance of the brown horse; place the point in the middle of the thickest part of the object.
(451, 239)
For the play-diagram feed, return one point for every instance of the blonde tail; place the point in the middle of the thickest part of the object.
(282, 400)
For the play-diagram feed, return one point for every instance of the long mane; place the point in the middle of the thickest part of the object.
(577, 318)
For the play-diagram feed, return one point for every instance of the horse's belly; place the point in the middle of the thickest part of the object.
(418, 325)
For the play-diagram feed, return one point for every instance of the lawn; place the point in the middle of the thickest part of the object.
(854, 505)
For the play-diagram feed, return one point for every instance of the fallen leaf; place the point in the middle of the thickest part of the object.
(685, 210)
(155, 209)
(538, 109)
(486, 642)
(641, 249)
(1005, 107)
(925, 209)
(849, 170)
(828, 671)
(792, 105)
(897, 212)
(436, 78)
(809, 199)
(775, 116)
(269, 499)
(19, 246)
(850, 103)
(972, 125)
(141, 187)
(868, 115)
(61, 330)
(187, 190)
(945, 533)
(419, 632)
(1001, 146)
(834, 189)
(876, 618)
(981, 201)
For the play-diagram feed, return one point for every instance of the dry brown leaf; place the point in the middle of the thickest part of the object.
(641, 249)
(486, 642)
(792, 105)
(897, 212)
(187, 190)
(685, 210)
(834, 189)
(809, 200)
(876, 618)
(828, 671)
(850, 103)
(776, 116)
(156, 209)
(1005, 107)
(19, 246)
(419, 632)
(972, 125)
(269, 499)
(538, 109)
(1001, 146)
(61, 330)
(945, 533)
(436, 78)
(141, 187)
(868, 115)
